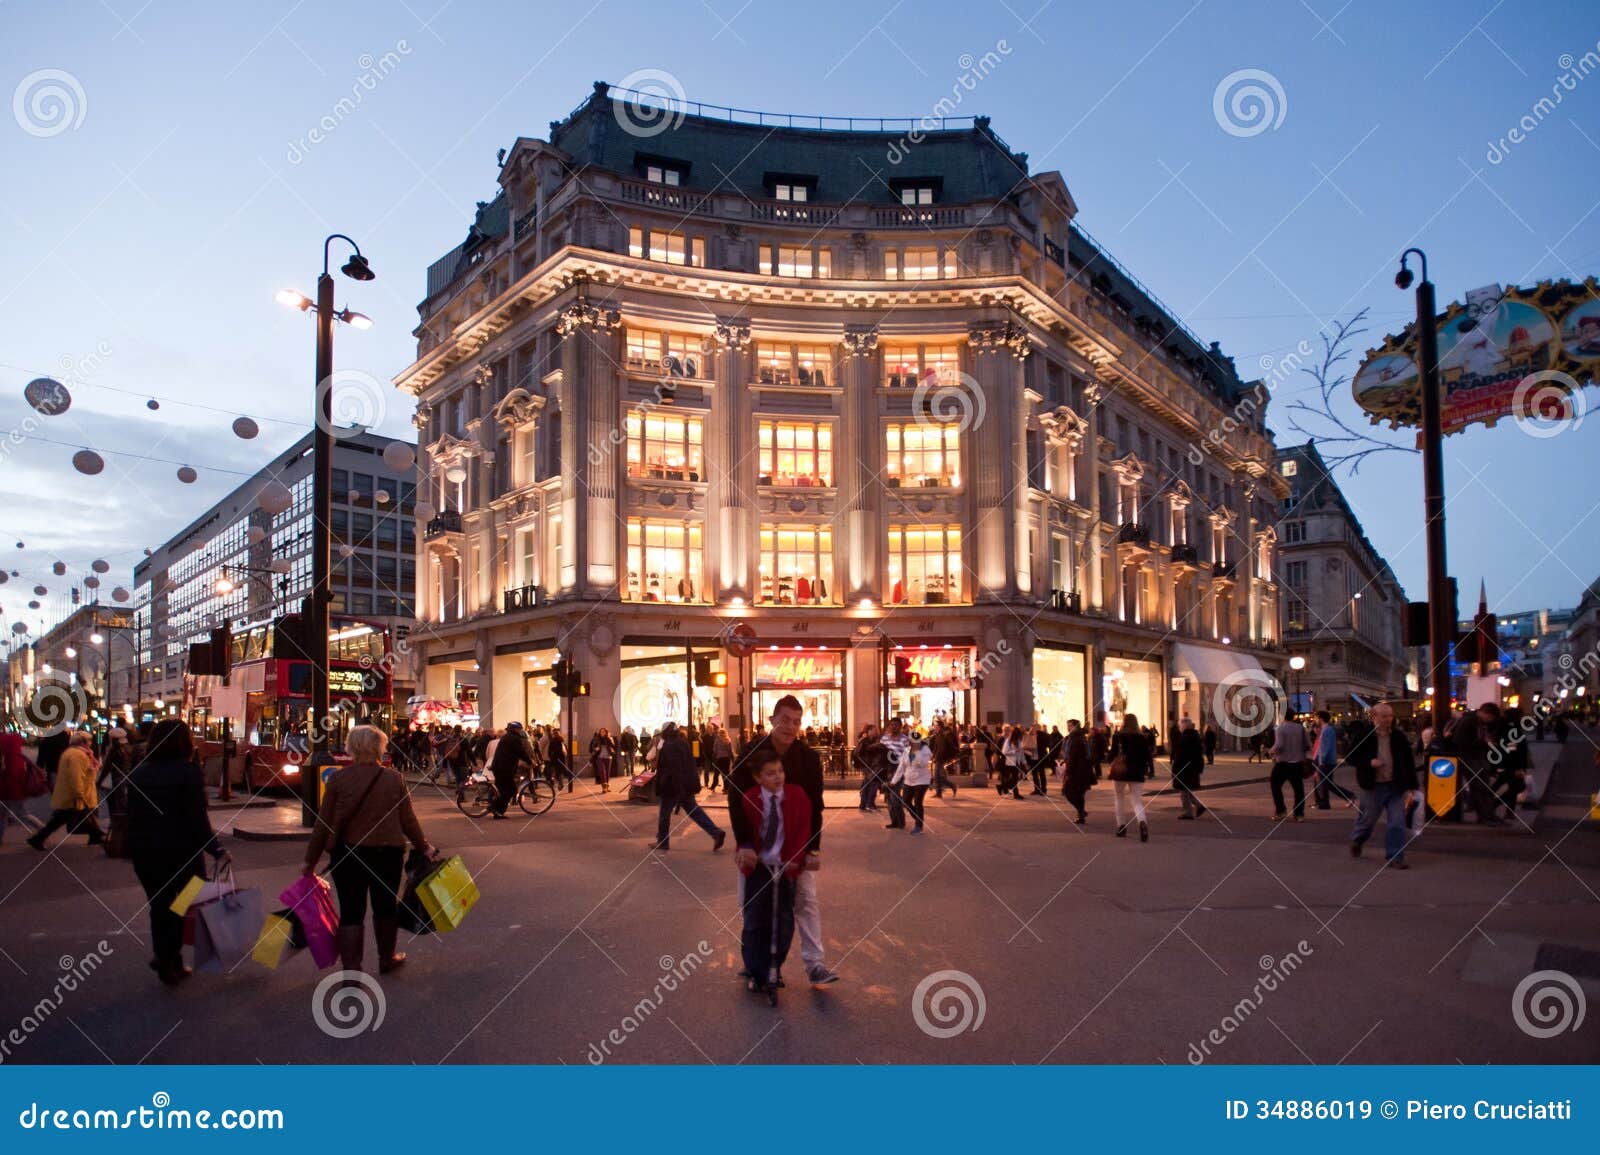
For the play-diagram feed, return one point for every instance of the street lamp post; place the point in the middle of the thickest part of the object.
(1440, 627)
(357, 269)
(1297, 663)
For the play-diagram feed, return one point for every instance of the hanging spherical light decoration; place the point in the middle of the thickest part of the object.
(120, 594)
(47, 396)
(33, 605)
(152, 404)
(19, 627)
(91, 582)
(59, 568)
(245, 428)
(255, 535)
(100, 565)
(399, 456)
(274, 497)
(187, 475)
(40, 591)
(88, 461)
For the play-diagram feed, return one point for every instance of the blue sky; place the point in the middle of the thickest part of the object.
(143, 243)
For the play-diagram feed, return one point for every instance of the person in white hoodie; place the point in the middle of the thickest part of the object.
(915, 773)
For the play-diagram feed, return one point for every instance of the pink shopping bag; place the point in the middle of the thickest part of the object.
(311, 902)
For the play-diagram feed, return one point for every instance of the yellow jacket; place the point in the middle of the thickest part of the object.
(75, 788)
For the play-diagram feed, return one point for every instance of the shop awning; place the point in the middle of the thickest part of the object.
(1210, 665)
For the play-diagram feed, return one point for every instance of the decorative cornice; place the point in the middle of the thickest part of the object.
(518, 407)
(732, 334)
(992, 336)
(860, 340)
(581, 314)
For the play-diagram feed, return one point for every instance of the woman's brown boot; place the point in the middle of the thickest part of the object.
(386, 930)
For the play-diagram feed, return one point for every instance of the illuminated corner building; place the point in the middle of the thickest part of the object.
(732, 372)
(374, 550)
(1343, 607)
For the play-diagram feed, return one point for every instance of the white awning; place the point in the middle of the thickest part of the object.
(1210, 665)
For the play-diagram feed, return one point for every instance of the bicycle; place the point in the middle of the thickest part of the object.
(476, 796)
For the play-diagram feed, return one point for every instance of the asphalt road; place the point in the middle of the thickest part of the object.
(1077, 946)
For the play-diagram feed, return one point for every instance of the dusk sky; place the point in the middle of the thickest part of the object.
(145, 237)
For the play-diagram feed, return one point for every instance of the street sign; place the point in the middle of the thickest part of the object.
(1442, 780)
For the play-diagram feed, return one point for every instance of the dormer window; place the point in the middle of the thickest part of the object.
(916, 192)
(790, 192)
(663, 174)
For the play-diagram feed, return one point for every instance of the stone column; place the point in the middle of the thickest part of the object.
(589, 403)
(997, 456)
(858, 461)
(1090, 476)
(1247, 564)
(731, 476)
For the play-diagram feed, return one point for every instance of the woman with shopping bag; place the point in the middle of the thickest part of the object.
(366, 819)
(169, 833)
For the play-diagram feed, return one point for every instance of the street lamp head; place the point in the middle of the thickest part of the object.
(357, 269)
(224, 585)
(1403, 279)
(71, 652)
(1297, 663)
(97, 637)
(354, 319)
(293, 298)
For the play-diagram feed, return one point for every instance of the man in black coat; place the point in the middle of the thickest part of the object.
(1210, 737)
(1188, 763)
(677, 782)
(513, 751)
(51, 747)
(1079, 775)
(802, 768)
(1386, 772)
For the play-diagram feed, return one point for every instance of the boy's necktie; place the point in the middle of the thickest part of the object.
(769, 835)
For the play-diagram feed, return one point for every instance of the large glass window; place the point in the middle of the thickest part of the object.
(905, 366)
(796, 565)
(795, 453)
(796, 261)
(779, 363)
(925, 565)
(664, 446)
(923, 454)
(674, 354)
(672, 248)
(663, 561)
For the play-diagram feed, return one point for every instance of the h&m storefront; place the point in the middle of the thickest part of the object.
(930, 682)
(813, 674)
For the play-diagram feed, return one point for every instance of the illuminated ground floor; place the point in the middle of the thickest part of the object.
(646, 665)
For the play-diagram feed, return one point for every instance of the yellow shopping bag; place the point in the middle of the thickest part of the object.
(274, 941)
(186, 896)
(447, 894)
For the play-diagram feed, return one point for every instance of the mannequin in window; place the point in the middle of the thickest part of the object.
(898, 594)
(803, 590)
(685, 589)
(819, 591)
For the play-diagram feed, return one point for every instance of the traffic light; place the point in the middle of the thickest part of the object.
(705, 676)
(568, 682)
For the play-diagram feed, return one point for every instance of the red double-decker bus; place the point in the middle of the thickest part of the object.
(266, 705)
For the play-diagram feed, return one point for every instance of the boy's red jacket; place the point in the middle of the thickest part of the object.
(796, 808)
